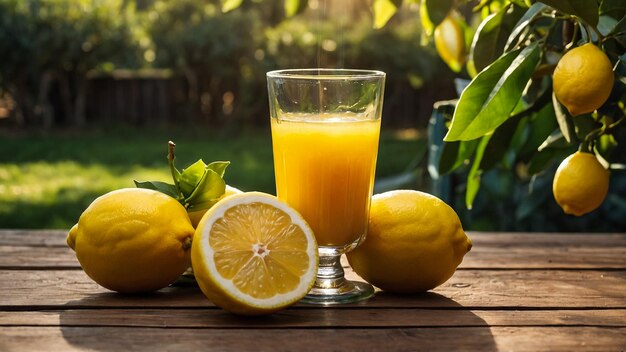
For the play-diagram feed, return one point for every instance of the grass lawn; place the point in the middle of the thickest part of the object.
(46, 181)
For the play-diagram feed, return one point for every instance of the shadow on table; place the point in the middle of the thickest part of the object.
(183, 319)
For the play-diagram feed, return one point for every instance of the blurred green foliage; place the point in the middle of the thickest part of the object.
(54, 44)
(46, 181)
(52, 47)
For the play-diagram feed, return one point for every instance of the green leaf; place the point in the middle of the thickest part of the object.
(229, 5)
(541, 159)
(162, 187)
(427, 24)
(383, 11)
(606, 25)
(475, 173)
(563, 118)
(437, 10)
(499, 143)
(554, 140)
(584, 124)
(585, 9)
(613, 8)
(191, 177)
(538, 191)
(620, 26)
(541, 125)
(605, 145)
(527, 18)
(491, 96)
(219, 167)
(293, 7)
(456, 154)
(491, 36)
(210, 188)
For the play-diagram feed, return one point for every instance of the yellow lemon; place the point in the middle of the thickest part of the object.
(196, 216)
(253, 254)
(414, 243)
(583, 79)
(133, 240)
(450, 43)
(580, 183)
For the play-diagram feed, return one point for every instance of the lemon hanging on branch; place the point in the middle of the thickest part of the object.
(583, 79)
(580, 184)
(450, 42)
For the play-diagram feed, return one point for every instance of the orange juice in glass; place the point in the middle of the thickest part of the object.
(325, 130)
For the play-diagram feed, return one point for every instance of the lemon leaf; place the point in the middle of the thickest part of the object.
(523, 22)
(585, 9)
(191, 176)
(541, 125)
(383, 11)
(427, 24)
(455, 154)
(219, 167)
(542, 158)
(563, 118)
(210, 188)
(613, 8)
(475, 173)
(437, 10)
(229, 5)
(491, 96)
(162, 187)
(293, 7)
(491, 36)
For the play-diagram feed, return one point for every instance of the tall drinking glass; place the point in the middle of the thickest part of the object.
(325, 130)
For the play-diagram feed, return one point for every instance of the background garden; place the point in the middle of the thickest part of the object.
(91, 91)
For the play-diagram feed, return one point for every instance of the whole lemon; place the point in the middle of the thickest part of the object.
(580, 183)
(414, 243)
(583, 79)
(196, 216)
(133, 240)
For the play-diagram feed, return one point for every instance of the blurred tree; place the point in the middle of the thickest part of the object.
(49, 46)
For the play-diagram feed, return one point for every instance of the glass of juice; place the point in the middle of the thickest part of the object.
(325, 129)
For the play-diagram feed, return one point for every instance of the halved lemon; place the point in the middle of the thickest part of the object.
(252, 254)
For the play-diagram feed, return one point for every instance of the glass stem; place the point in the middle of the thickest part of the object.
(330, 273)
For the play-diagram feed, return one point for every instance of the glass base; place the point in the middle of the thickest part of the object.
(331, 287)
(349, 292)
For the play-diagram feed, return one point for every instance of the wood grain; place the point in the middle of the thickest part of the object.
(400, 339)
(33, 238)
(47, 249)
(467, 288)
(296, 317)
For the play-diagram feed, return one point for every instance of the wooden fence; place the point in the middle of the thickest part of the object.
(161, 97)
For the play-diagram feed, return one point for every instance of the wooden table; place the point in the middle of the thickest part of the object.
(513, 292)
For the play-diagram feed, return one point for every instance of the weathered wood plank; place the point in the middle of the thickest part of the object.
(491, 251)
(42, 238)
(23, 257)
(467, 288)
(403, 339)
(296, 317)
(498, 239)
